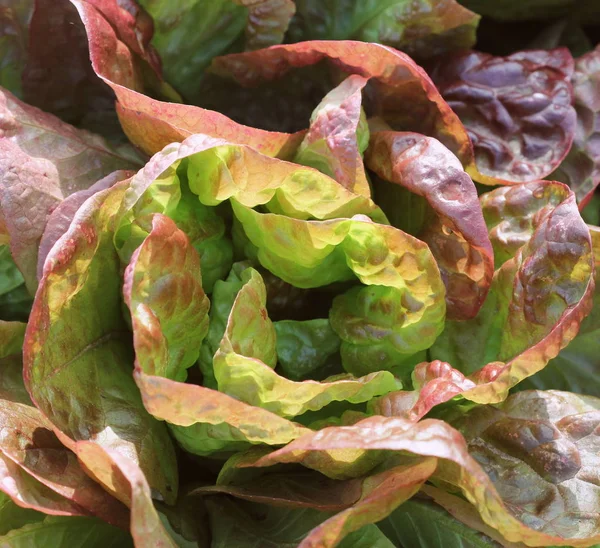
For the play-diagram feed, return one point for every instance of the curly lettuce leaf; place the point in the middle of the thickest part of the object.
(163, 290)
(395, 79)
(79, 374)
(398, 311)
(243, 365)
(541, 451)
(422, 29)
(304, 347)
(333, 450)
(338, 135)
(189, 34)
(43, 161)
(516, 109)
(581, 168)
(458, 238)
(538, 298)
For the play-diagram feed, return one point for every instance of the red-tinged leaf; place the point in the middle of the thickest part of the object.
(42, 161)
(152, 124)
(163, 290)
(581, 168)
(60, 219)
(29, 443)
(212, 420)
(381, 495)
(541, 449)
(335, 140)
(267, 21)
(79, 373)
(517, 110)
(58, 77)
(126, 478)
(330, 450)
(458, 237)
(395, 81)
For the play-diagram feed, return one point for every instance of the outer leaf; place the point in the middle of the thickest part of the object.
(78, 375)
(304, 347)
(541, 450)
(338, 135)
(422, 29)
(397, 81)
(267, 21)
(63, 532)
(399, 313)
(382, 493)
(243, 364)
(123, 476)
(152, 124)
(328, 451)
(581, 168)
(163, 298)
(422, 524)
(214, 421)
(517, 110)
(459, 240)
(43, 160)
(538, 298)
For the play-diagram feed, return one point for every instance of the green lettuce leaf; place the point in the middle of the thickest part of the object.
(400, 309)
(13, 516)
(14, 19)
(243, 365)
(62, 532)
(304, 347)
(163, 298)
(79, 375)
(422, 29)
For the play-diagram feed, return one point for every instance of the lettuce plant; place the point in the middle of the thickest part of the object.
(281, 273)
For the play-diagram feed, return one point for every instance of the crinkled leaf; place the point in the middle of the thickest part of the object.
(422, 524)
(399, 311)
(163, 290)
(43, 160)
(581, 168)
(206, 421)
(395, 81)
(422, 29)
(267, 21)
(122, 475)
(541, 451)
(78, 374)
(243, 364)
(458, 238)
(334, 450)
(66, 532)
(338, 135)
(517, 110)
(304, 347)
(537, 299)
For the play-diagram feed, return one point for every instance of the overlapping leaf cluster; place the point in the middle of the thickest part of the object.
(267, 281)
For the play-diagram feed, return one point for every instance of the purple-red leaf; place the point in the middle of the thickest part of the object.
(517, 110)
